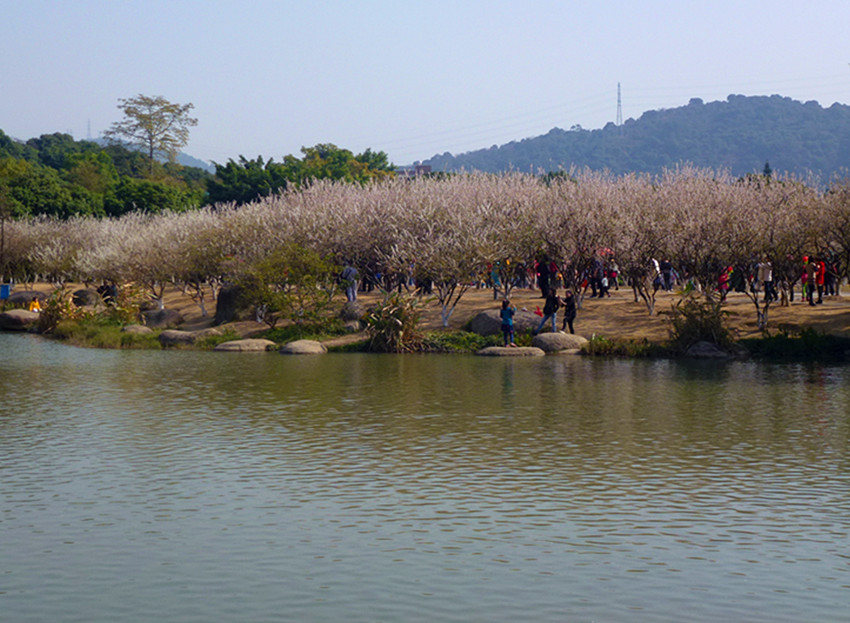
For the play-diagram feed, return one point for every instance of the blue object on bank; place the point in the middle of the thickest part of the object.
(5, 288)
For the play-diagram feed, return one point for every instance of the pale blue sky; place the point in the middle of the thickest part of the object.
(409, 78)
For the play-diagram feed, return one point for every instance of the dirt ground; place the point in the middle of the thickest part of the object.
(618, 316)
(615, 317)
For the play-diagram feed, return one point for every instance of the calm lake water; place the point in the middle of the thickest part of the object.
(198, 487)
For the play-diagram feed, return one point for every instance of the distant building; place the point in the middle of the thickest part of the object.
(414, 171)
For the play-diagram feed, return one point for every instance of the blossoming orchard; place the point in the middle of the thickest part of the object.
(449, 233)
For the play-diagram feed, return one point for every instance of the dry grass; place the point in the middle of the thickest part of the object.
(615, 317)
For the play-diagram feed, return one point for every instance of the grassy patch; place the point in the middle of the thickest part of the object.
(309, 331)
(599, 346)
(92, 333)
(458, 341)
(211, 341)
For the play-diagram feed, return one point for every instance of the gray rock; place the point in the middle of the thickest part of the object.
(507, 351)
(569, 351)
(86, 297)
(23, 297)
(136, 328)
(18, 320)
(490, 323)
(162, 318)
(250, 345)
(555, 342)
(352, 310)
(353, 326)
(304, 347)
(706, 350)
(173, 337)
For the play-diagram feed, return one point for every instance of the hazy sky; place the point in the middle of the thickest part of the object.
(412, 78)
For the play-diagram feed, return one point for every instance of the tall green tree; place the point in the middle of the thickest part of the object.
(14, 149)
(150, 196)
(34, 189)
(247, 180)
(55, 150)
(153, 124)
(327, 161)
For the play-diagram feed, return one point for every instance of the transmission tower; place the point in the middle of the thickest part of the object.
(619, 122)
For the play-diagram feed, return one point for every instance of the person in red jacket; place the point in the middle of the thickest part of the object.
(820, 276)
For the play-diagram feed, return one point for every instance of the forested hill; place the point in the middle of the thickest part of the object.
(740, 134)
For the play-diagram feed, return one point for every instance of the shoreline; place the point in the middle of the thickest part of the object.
(617, 318)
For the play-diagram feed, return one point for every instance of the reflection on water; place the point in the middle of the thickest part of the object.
(209, 486)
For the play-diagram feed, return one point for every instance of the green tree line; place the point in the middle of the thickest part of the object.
(55, 175)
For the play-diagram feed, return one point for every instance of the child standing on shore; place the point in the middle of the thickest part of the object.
(569, 302)
(507, 314)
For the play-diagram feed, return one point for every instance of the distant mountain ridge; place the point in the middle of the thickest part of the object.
(740, 134)
(189, 161)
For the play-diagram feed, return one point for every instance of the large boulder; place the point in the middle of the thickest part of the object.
(173, 337)
(18, 320)
(136, 328)
(24, 297)
(706, 350)
(508, 351)
(176, 337)
(353, 326)
(489, 322)
(86, 297)
(304, 347)
(352, 310)
(162, 318)
(250, 345)
(555, 342)
(209, 332)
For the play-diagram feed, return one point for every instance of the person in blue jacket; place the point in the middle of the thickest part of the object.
(507, 314)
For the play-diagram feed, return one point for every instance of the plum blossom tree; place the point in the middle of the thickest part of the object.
(639, 215)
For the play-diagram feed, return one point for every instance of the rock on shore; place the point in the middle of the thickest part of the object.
(507, 351)
(304, 347)
(489, 322)
(556, 342)
(162, 318)
(18, 320)
(175, 337)
(248, 345)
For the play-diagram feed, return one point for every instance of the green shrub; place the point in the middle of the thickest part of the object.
(392, 324)
(58, 308)
(695, 320)
(291, 283)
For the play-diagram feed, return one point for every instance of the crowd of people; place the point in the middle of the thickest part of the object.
(818, 277)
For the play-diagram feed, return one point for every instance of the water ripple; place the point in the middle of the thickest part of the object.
(193, 486)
